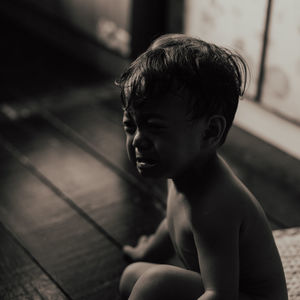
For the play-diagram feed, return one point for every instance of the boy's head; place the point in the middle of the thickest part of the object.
(205, 79)
(210, 78)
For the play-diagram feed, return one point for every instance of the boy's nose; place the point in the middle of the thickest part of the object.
(140, 141)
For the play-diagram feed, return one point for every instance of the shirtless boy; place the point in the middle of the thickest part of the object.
(180, 98)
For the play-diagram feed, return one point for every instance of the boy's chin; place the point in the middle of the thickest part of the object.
(149, 172)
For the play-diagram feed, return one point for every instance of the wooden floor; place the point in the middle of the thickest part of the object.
(69, 199)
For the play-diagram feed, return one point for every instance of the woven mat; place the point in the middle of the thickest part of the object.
(288, 243)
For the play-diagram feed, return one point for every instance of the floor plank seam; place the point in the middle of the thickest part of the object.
(25, 162)
(34, 260)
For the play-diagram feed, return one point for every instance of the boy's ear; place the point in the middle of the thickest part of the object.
(215, 130)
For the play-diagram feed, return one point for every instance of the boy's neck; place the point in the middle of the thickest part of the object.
(197, 175)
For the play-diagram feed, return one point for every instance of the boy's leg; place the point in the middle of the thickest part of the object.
(145, 281)
(130, 276)
(151, 281)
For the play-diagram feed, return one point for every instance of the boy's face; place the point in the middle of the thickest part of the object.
(160, 141)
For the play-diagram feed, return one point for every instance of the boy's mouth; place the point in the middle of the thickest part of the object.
(143, 162)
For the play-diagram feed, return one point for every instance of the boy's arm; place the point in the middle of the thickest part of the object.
(155, 248)
(216, 237)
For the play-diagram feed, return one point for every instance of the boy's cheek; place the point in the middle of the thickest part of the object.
(130, 150)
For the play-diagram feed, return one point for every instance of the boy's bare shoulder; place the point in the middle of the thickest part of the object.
(226, 199)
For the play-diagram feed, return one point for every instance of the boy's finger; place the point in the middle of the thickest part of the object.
(128, 253)
(142, 239)
(127, 249)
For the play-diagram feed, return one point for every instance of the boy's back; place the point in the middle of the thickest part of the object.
(220, 206)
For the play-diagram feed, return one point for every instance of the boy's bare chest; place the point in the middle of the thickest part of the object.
(181, 233)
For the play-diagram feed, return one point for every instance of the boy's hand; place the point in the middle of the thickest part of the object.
(138, 252)
(156, 247)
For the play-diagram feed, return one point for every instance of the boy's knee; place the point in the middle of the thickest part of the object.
(156, 273)
(153, 284)
(167, 282)
(129, 277)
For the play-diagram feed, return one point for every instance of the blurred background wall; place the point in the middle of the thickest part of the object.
(109, 34)
(281, 88)
(242, 25)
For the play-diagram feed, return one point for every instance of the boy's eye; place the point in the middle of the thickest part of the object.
(129, 127)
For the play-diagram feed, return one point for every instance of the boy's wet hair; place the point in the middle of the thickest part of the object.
(209, 78)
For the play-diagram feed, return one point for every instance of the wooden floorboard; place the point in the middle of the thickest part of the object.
(20, 276)
(79, 258)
